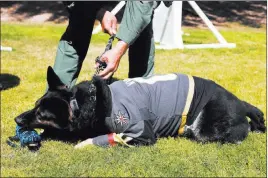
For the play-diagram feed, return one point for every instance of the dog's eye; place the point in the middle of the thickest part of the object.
(39, 115)
(42, 115)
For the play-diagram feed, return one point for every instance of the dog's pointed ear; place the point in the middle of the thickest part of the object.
(100, 85)
(98, 81)
(53, 80)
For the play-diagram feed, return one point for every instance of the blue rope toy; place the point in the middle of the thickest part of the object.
(29, 138)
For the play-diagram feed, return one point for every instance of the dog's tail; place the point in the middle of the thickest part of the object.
(256, 118)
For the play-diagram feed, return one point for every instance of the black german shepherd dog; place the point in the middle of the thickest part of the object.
(139, 115)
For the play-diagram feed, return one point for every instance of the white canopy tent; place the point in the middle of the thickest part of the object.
(167, 24)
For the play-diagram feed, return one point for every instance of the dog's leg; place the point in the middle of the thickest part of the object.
(256, 118)
(223, 119)
(192, 131)
(84, 143)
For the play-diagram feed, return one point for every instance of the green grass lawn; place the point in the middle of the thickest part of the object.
(241, 70)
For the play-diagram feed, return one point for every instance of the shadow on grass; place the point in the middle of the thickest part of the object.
(32, 8)
(8, 81)
(249, 13)
(28, 9)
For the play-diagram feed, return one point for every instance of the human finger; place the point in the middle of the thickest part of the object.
(114, 23)
(106, 72)
(108, 27)
(109, 75)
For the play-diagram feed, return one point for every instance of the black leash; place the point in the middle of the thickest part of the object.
(103, 65)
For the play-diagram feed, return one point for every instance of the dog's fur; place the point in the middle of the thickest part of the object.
(223, 119)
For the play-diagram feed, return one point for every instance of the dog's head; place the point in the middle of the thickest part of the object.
(52, 110)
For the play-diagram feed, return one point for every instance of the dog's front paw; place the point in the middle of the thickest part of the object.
(84, 143)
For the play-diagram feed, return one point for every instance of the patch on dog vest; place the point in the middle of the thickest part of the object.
(121, 118)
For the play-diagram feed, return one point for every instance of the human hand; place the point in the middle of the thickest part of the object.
(112, 59)
(84, 143)
(109, 23)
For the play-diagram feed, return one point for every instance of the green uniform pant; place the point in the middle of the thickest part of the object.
(74, 43)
